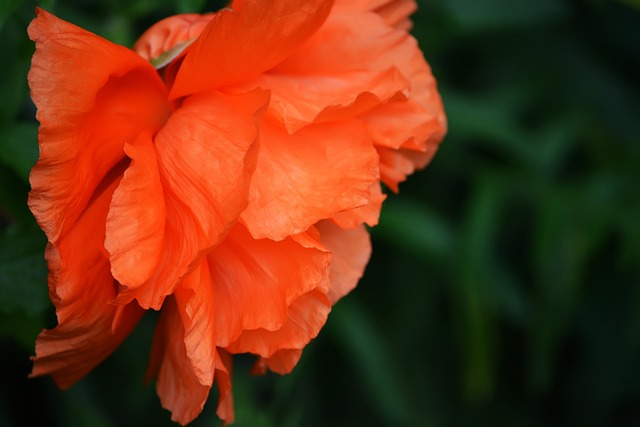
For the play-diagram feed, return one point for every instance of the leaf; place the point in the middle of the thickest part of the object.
(19, 148)
(413, 227)
(23, 273)
(379, 377)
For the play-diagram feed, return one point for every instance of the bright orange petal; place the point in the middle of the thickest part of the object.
(184, 347)
(305, 317)
(311, 175)
(83, 127)
(206, 153)
(368, 214)
(404, 124)
(281, 362)
(242, 42)
(223, 380)
(396, 165)
(136, 219)
(350, 251)
(326, 98)
(81, 287)
(257, 280)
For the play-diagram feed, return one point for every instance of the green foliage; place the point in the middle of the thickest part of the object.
(504, 285)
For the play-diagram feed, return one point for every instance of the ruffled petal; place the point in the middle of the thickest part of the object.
(184, 349)
(256, 281)
(206, 154)
(81, 287)
(396, 165)
(223, 380)
(404, 124)
(281, 362)
(166, 39)
(311, 175)
(136, 219)
(83, 127)
(351, 250)
(394, 12)
(368, 214)
(306, 315)
(242, 42)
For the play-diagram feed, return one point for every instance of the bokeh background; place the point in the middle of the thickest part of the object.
(504, 287)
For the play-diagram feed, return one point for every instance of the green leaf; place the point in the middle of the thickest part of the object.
(6, 8)
(414, 227)
(360, 338)
(19, 147)
(23, 273)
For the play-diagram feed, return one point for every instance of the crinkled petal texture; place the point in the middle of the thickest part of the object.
(83, 131)
(81, 288)
(231, 194)
(245, 40)
(362, 63)
(196, 177)
(84, 127)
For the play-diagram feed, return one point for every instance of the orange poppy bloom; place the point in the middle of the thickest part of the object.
(222, 173)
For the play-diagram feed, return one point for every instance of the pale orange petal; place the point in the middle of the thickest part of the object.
(311, 175)
(257, 280)
(170, 34)
(81, 287)
(136, 219)
(350, 251)
(395, 12)
(205, 164)
(242, 42)
(83, 127)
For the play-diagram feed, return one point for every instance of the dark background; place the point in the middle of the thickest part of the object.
(504, 287)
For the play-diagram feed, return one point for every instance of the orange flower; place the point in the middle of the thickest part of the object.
(227, 187)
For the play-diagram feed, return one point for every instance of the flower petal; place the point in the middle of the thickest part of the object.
(368, 214)
(257, 280)
(83, 127)
(305, 317)
(206, 153)
(136, 219)
(81, 287)
(242, 42)
(223, 380)
(395, 12)
(298, 100)
(396, 165)
(184, 352)
(169, 35)
(281, 362)
(311, 175)
(350, 251)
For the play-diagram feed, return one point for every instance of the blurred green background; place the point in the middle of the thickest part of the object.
(504, 288)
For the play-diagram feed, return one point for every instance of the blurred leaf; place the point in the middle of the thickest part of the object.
(19, 147)
(476, 305)
(6, 8)
(373, 363)
(472, 15)
(13, 200)
(23, 273)
(417, 229)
